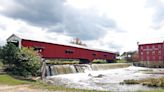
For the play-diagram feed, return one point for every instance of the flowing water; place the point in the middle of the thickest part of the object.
(103, 79)
(81, 68)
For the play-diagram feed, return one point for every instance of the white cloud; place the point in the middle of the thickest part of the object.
(133, 17)
(130, 15)
(20, 28)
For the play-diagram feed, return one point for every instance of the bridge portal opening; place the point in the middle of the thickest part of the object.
(16, 43)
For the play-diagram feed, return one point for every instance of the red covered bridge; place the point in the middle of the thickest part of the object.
(60, 51)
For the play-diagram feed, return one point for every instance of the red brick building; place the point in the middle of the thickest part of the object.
(151, 52)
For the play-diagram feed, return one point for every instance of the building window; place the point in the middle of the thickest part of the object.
(153, 52)
(94, 54)
(159, 52)
(141, 47)
(147, 52)
(141, 53)
(159, 46)
(147, 47)
(68, 51)
(153, 47)
(105, 55)
(38, 49)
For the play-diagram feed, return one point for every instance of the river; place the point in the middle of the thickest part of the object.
(106, 79)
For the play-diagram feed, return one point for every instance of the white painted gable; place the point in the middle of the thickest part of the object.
(13, 38)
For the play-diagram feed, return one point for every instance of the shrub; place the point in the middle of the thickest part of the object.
(24, 62)
(28, 62)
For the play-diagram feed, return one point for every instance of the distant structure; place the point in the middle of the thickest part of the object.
(151, 52)
(130, 56)
(50, 50)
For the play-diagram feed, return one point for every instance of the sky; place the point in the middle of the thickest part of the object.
(113, 25)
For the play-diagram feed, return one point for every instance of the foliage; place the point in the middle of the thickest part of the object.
(98, 61)
(121, 61)
(132, 81)
(77, 41)
(28, 62)
(24, 62)
(1, 64)
(60, 62)
(9, 54)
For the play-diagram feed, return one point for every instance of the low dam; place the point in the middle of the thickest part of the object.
(81, 68)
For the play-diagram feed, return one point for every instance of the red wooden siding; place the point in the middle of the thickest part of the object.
(55, 51)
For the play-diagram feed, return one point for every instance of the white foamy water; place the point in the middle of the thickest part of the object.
(105, 80)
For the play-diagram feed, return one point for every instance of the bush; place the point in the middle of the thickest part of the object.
(24, 62)
(28, 62)
(99, 61)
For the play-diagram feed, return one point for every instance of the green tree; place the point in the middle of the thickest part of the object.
(1, 62)
(24, 62)
(28, 62)
(9, 54)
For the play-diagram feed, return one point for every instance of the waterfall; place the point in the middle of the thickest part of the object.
(81, 68)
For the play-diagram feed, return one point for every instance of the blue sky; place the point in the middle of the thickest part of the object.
(115, 25)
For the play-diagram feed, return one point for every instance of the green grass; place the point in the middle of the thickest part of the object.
(61, 88)
(158, 90)
(9, 80)
(121, 61)
(6, 79)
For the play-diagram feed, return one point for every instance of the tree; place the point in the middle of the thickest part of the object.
(77, 41)
(1, 64)
(24, 62)
(9, 54)
(28, 62)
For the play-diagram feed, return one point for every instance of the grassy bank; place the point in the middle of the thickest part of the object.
(151, 82)
(6, 79)
(9, 80)
(152, 91)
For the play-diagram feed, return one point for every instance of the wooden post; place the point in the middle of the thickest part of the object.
(43, 69)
